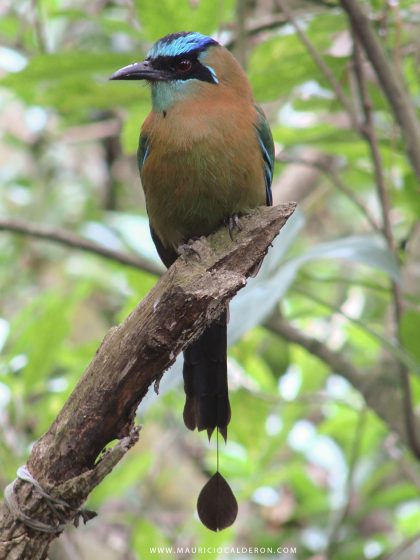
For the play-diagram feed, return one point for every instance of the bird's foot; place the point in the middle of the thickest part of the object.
(187, 250)
(232, 223)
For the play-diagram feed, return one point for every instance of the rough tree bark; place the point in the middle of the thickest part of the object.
(67, 460)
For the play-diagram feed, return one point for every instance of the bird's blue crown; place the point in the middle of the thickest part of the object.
(178, 44)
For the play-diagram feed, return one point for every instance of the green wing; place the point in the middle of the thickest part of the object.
(266, 143)
(143, 151)
(167, 255)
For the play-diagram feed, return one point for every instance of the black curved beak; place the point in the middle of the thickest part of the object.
(139, 71)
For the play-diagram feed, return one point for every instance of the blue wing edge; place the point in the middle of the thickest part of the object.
(265, 140)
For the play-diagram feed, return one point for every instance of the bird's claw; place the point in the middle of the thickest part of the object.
(232, 223)
(187, 250)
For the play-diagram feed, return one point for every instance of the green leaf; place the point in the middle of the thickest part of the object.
(410, 329)
(249, 353)
(247, 426)
(258, 299)
(408, 197)
(145, 537)
(409, 519)
(124, 477)
(393, 496)
(280, 64)
(39, 332)
(133, 120)
(9, 26)
(368, 250)
(74, 82)
(169, 16)
(313, 371)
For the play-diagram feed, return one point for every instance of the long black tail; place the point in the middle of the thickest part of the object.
(205, 380)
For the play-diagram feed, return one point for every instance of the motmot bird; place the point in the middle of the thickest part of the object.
(206, 157)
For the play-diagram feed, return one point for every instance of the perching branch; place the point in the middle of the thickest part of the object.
(133, 356)
(380, 406)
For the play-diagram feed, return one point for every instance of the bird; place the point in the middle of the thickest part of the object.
(206, 157)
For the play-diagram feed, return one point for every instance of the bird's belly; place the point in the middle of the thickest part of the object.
(189, 193)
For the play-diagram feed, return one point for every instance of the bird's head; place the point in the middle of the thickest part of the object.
(178, 65)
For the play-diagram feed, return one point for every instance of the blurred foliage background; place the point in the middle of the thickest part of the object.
(316, 452)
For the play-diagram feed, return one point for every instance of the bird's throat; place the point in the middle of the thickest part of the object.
(165, 94)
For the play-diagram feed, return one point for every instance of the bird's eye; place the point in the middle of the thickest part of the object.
(184, 65)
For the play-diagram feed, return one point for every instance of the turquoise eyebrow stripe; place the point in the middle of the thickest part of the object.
(213, 73)
(180, 45)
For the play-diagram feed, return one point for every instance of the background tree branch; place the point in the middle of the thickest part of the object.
(391, 81)
(383, 197)
(70, 239)
(380, 389)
